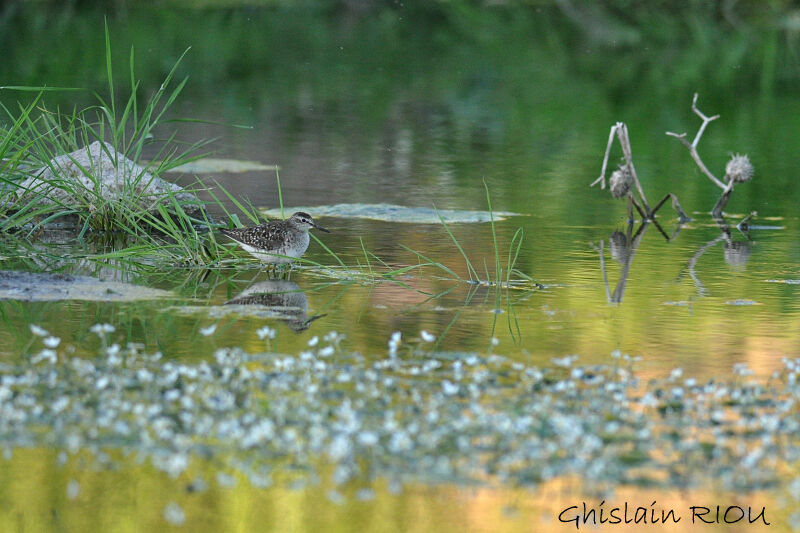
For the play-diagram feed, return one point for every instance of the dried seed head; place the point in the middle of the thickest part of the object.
(737, 253)
(620, 182)
(739, 169)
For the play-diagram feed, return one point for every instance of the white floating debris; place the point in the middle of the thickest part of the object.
(207, 331)
(38, 331)
(394, 342)
(432, 416)
(565, 361)
(336, 497)
(73, 489)
(174, 514)
(225, 480)
(265, 332)
(364, 495)
(449, 388)
(102, 329)
(46, 355)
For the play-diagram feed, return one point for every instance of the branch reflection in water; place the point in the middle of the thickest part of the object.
(736, 253)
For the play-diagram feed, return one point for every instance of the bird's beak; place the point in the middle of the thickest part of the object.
(320, 227)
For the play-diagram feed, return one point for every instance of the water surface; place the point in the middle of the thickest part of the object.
(366, 114)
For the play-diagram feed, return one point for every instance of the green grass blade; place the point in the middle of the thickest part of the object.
(237, 203)
(497, 269)
(338, 259)
(280, 193)
(38, 89)
(109, 71)
(473, 274)
(134, 90)
(433, 263)
(366, 256)
(513, 260)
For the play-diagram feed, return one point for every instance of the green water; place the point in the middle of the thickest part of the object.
(418, 107)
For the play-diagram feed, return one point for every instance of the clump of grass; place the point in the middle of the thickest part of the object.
(502, 274)
(171, 227)
(38, 135)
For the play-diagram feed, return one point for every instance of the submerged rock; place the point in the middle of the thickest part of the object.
(36, 287)
(96, 174)
(397, 213)
(212, 165)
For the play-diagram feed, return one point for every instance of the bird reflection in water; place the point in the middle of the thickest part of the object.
(283, 297)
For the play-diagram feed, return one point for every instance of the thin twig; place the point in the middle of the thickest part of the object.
(692, 147)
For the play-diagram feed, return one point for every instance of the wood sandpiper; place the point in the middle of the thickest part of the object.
(279, 241)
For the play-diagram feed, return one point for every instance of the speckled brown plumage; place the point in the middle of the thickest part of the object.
(268, 236)
(278, 241)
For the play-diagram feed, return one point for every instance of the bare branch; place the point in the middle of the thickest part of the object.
(705, 119)
(602, 178)
(639, 209)
(676, 205)
(716, 212)
(660, 229)
(625, 142)
(744, 225)
(621, 131)
(692, 147)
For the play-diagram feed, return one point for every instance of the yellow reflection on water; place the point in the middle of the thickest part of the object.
(39, 494)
